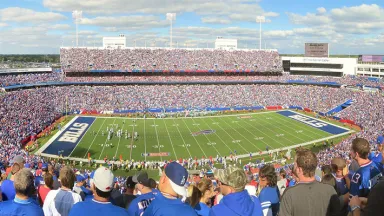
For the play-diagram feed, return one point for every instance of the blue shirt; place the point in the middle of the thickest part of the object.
(139, 204)
(20, 207)
(202, 209)
(269, 198)
(376, 157)
(341, 185)
(365, 178)
(39, 180)
(94, 208)
(292, 183)
(163, 206)
(8, 190)
(235, 204)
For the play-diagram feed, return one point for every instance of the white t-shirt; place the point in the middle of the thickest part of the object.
(60, 202)
(282, 185)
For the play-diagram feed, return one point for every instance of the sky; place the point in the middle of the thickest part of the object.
(43, 26)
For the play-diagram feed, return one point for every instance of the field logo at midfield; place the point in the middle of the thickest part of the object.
(203, 132)
(245, 117)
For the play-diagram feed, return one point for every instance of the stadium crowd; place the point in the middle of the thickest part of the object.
(8, 80)
(83, 59)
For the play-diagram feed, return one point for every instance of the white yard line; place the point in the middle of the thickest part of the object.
(185, 144)
(157, 137)
(145, 142)
(169, 136)
(194, 138)
(94, 138)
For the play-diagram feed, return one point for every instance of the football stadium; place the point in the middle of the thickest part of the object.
(125, 109)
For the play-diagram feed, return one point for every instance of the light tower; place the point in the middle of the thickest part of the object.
(77, 16)
(260, 19)
(171, 17)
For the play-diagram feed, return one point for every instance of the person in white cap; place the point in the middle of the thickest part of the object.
(101, 185)
(172, 187)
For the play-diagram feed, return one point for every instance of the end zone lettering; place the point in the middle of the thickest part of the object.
(74, 133)
(309, 121)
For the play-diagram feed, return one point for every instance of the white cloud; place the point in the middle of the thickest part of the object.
(249, 9)
(3, 24)
(321, 10)
(215, 20)
(16, 14)
(59, 26)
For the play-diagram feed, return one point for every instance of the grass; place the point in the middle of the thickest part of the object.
(225, 134)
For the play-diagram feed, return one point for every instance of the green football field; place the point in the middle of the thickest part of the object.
(194, 137)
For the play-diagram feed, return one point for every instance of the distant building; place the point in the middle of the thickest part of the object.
(114, 42)
(225, 44)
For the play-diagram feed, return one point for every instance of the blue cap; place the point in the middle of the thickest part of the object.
(80, 178)
(178, 176)
(27, 165)
(44, 166)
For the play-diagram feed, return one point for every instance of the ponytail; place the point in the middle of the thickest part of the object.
(194, 195)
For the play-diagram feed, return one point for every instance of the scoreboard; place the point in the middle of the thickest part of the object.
(316, 50)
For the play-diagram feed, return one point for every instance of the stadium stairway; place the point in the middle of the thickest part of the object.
(339, 107)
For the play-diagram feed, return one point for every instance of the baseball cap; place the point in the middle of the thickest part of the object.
(141, 178)
(44, 166)
(232, 176)
(103, 179)
(18, 159)
(27, 165)
(130, 184)
(80, 178)
(177, 175)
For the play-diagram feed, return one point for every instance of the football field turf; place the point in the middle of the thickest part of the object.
(174, 138)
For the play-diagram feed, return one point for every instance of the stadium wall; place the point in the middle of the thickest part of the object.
(25, 70)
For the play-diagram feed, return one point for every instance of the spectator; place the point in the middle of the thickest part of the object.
(269, 195)
(80, 188)
(308, 197)
(171, 186)
(43, 189)
(369, 172)
(7, 187)
(60, 202)
(374, 205)
(102, 184)
(282, 184)
(147, 194)
(236, 200)
(340, 172)
(128, 195)
(204, 193)
(39, 180)
(22, 204)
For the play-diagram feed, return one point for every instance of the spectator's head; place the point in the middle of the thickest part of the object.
(202, 192)
(102, 183)
(283, 174)
(360, 149)
(142, 182)
(19, 160)
(80, 179)
(15, 168)
(326, 169)
(24, 183)
(152, 183)
(48, 180)
(267, 176)
(231, 180)
(305, 164)
(337, 165)
(67, 177)
(44, 167)
(130, 184)
(173, 179)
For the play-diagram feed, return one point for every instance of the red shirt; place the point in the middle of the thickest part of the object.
(42, 192)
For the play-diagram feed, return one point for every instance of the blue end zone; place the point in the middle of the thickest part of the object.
(324, 126)
(70, 137)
